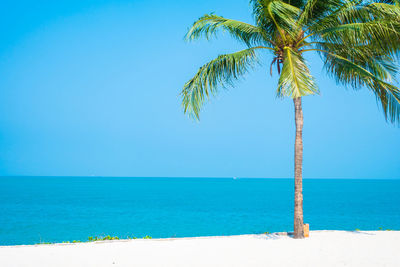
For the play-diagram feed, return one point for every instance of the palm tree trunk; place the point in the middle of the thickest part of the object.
(298, 175)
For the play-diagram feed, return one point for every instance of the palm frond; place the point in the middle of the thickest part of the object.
(295, 79)
(275, 17)
(358, 22)
(315, 10)
(221, 71)
(347, 11)
(307, 11)
(367, 56)
(209, 24)
(372, 74)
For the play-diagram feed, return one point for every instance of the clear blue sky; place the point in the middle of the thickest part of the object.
(92, 88)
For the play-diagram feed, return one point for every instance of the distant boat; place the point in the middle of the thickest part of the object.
(234, 178)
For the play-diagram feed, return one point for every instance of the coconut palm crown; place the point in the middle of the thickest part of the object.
(358, 41)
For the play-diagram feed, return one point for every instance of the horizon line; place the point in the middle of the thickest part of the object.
(190, 177)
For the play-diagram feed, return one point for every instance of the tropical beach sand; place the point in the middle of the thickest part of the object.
(322, 248)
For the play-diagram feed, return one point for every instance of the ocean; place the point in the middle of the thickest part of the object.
(57, 209)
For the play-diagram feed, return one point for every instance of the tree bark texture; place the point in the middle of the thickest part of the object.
(298, 172)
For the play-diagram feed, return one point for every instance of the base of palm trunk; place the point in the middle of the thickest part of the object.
(303, 234)
(298, 234)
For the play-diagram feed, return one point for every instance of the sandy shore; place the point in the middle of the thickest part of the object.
(323, 248)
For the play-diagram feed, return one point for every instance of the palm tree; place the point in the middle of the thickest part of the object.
(356, 39)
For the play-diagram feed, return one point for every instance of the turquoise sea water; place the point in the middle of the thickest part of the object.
(56, 209)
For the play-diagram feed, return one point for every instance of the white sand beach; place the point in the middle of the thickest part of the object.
(322, 248)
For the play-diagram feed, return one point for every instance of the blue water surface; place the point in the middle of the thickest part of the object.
(56, 209)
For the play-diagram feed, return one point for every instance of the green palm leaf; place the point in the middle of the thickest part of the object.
(275, 17)
(221, 71)
(374, 74)
(295, 79)
(208, 25)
